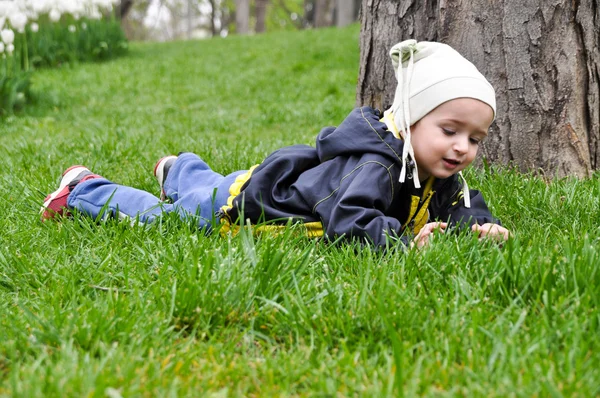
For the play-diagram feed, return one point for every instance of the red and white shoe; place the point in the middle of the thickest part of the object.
(161, 169)
(55, 203)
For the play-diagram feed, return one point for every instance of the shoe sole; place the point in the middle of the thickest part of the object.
(159, 173)
(69, 175)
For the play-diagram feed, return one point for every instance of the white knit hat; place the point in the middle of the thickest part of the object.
(428, 75)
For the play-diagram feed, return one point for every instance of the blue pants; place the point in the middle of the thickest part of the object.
(196, 190)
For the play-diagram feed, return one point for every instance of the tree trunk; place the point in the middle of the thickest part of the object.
(242, 16)
(124, 8)
(309, 14)
(323, 13)
(542, 58)
(344, 12)
(123, 11)
(261, 15)
(190, 19)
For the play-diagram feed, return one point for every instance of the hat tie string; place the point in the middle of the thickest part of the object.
(403, 96)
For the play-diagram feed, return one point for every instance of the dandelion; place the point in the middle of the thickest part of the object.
(35, 27)
(8, 36)
(72, 28)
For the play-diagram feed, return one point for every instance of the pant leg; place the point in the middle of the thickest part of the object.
(197, 189)
(185, 175)
(101, 197)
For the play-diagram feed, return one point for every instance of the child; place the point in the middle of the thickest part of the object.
(375, 178)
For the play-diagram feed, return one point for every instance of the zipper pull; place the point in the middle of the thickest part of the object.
(409, 168)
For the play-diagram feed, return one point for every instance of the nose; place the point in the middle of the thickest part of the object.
(461, 145)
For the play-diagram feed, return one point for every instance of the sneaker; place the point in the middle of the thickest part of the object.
(55, 204)
(161, 170)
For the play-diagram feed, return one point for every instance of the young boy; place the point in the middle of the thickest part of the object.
(353, 184)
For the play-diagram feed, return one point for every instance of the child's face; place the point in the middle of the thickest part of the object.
(445, 141)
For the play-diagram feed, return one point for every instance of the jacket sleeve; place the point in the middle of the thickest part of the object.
(461, 216)
(358, 207)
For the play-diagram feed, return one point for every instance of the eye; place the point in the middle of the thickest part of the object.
(475, 140)
(448, 131)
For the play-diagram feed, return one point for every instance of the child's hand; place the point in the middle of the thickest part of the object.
(425, 233)
(490, 230)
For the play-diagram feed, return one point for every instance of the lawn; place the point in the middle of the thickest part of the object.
(110, 309)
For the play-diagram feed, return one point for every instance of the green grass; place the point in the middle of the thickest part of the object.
(102, 310)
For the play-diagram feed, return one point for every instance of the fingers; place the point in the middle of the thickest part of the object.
(428, 229)
(432, 226)
(504, 233)
(491, 230)
(487, 230)
(421, 239)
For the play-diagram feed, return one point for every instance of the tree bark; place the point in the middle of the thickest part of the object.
(189, 17)
(261, 15)
(214, 6)
(124, 8)
(542, 57)
(344, 12)
(242, 16)
(323, 13)
(309, 14)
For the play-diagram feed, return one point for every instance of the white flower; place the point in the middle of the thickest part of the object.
(72, 28)
(106, 4)
(35, 27)
(39, 7)
(73, 7)
(18, 20)
(10, 48)
(1, 47)
(94, 13)
(19, 12)
(54, 15)
(83, 26)
(8, 36)
(7, 8)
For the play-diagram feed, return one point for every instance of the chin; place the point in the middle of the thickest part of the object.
(446, 174)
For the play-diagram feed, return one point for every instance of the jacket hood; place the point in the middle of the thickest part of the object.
(360, 132)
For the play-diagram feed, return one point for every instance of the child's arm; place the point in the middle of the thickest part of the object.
(358, 210)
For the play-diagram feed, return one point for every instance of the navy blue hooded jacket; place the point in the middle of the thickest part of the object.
(350, 184)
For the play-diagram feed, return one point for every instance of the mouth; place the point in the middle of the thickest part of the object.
(451, 163)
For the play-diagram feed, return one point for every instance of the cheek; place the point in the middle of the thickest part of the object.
(419, 146)
(473, 152)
